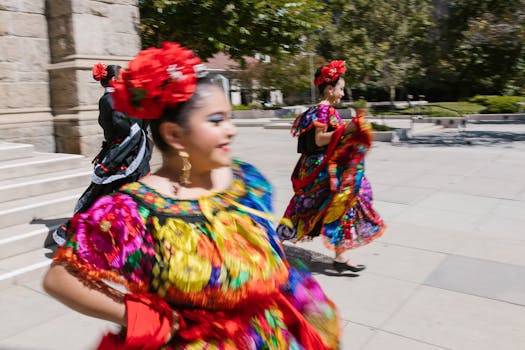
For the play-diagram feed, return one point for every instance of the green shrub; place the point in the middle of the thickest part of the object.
(462, 106)
(381, 127)
(480, 99)
(441, 113)
(503, 104)
(255, 105)
(437, 109)
(241, 108)
(359, 103)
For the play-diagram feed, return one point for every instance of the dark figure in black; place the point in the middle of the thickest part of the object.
(126, 149)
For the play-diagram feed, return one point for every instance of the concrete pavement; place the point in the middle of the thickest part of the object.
(448, 273)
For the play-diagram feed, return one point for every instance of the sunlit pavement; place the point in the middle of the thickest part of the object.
(449, 272)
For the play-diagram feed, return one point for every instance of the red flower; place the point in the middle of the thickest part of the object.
(331, 72)
(156, 79)
(99, 71)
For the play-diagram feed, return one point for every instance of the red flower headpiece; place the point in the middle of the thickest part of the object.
(330, 73)
(156, 79)
(99, 71)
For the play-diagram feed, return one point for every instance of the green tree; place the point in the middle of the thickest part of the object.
(238, 28)
(381, 40)
(479, 47)
(292, 74)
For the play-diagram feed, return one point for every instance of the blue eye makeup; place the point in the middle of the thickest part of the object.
(216, 118)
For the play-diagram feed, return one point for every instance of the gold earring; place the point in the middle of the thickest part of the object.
(186, 168)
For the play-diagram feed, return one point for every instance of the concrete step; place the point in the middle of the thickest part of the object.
(9, 150)
(42, 163)
(278, 125)
(39, 184)
(25, 267)
(20, 211)
(19, 239)
(251, 122)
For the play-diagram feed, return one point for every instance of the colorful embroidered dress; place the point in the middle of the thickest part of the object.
(216, 260)
(332, 197)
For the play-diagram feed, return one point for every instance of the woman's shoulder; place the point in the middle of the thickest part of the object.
(317, 115)
(131, 188)
(327, 113)
(149, 200)
(116, 215)
(249, 173)
(116, 202)
(246, 169)
(105, 241)
(243, 166)
(106, 98)
(250, 187)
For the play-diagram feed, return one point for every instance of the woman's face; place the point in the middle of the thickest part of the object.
(336, 92)
(209, 132)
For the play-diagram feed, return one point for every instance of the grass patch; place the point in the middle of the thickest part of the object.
(381, 127)
(381, 112)
(242, 108)
(438, 109)
(463, 106)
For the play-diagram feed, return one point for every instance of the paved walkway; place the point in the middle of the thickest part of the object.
(449, 272)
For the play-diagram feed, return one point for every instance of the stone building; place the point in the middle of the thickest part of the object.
(47, 49)
(225, 67)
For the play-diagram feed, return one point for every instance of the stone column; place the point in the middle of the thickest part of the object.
(82, 33)
(25, 113)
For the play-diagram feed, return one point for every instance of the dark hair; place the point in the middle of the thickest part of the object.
(112, 70)
(180, 113)
(324, 85)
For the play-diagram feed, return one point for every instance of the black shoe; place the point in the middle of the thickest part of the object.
(60, 235)
(342, 266)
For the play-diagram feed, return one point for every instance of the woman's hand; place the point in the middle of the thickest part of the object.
(322, 137)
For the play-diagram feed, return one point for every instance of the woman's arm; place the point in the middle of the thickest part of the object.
(323, 137)
(69, 290)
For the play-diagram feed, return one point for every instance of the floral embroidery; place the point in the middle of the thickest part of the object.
(109, 231)
(184, 208)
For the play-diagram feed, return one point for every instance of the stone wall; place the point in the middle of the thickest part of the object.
(50, 98)
(25, 113)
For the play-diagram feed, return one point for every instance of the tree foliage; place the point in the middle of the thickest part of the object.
(480, 47)
(381, 40)
(292, 74)
(445, 49)
(238, 28)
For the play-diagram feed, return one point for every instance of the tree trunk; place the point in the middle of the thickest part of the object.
(392, 90)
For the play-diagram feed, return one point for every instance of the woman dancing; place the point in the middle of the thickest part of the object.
(332, 196)
(193, 243)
